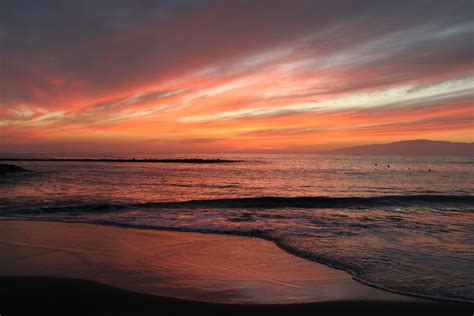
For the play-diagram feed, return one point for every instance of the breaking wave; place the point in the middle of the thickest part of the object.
(271, 202)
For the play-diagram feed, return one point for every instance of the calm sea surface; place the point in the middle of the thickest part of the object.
(401, 223)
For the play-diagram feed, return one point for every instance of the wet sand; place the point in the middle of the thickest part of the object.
(41, 262)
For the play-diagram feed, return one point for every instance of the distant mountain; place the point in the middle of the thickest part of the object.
(410, 147)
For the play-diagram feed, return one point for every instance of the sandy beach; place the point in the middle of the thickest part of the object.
(53, 260)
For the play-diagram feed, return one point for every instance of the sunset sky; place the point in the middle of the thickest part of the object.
(231, 76)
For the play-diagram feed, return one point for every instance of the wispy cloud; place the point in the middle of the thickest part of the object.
(394, 97)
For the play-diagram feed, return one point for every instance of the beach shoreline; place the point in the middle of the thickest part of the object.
(214, 272)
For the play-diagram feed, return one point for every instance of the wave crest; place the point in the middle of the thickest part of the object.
(274, 202)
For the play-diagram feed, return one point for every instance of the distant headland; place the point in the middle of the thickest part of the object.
(410, 147)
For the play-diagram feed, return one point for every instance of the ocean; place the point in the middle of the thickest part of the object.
(404, 224)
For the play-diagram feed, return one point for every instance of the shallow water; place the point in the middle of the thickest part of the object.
(389, 220)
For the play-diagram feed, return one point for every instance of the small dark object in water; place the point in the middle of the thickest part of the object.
(376, 164)
(429, 170)
(388, 166)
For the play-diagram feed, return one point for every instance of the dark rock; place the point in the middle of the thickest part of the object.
(5, 168)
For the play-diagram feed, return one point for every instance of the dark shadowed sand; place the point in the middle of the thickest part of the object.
(45, 265)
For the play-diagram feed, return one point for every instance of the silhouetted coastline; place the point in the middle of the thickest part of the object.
(419, 147)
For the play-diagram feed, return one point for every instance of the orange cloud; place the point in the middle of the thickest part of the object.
(196, 78)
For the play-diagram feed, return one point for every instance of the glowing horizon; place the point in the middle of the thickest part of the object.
(233, 76)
